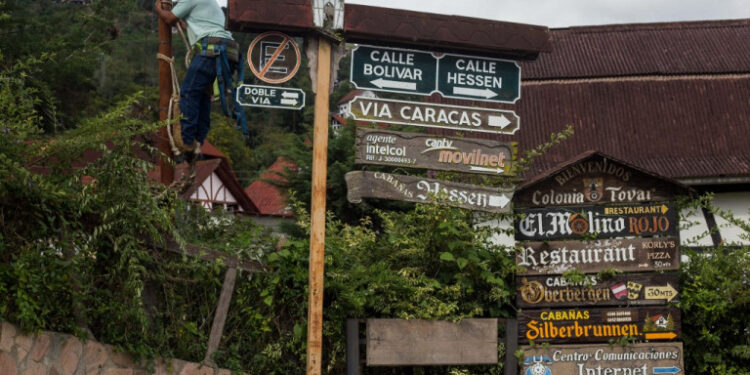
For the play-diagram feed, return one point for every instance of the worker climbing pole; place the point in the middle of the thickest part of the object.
(215, 58)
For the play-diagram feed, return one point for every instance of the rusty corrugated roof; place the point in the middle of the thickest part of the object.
(705, 47)
(692, 121)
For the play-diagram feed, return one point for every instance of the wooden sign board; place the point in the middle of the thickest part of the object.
(598, 325)
(597, 180)
(398, 149)
(541, 224)
(628, 255)
(398, 342)
(635, 289)
(633, 359)
(439, 116)
(425, 190)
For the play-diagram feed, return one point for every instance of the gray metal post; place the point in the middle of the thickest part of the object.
(511, 345)
(352, 347)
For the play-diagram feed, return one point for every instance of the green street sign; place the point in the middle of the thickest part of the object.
(393, 70)
(479, 78)
(270, 97)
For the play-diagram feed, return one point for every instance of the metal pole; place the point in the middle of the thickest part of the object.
(352, 347)
(511, 345)
(318, 210)
(165, 93)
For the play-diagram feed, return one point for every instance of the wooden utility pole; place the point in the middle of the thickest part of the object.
(165, 93)
(318, 210)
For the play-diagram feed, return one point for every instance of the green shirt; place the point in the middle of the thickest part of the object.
(203, 17)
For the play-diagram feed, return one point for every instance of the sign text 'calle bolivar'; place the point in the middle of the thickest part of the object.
(598, 325)
(540, 224)
(439, 116)
(398, 149)
(423, 73)
(425, 190)
(632, 359)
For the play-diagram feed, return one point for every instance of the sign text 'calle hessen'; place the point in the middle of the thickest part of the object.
(423, 73)
(634, 289)
(628, 255)
(633, 359)
(541, 224)
(439, 116)
(425, 190)
(598, 325)
(398, 149)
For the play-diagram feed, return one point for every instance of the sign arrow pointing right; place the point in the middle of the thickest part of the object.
(485, 93)
(665, 370)
(289, 101)
(498, 121)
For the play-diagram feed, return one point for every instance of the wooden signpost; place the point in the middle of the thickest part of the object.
(629, 255)
(633, 359)
(598, 325)
(398, 149)
(439, 116)
(549, 223)
(425, 190)
(398, 342)
(636, 289)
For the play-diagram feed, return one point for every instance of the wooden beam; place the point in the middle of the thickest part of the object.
(211, 255)
(318, 209)
(220, 317)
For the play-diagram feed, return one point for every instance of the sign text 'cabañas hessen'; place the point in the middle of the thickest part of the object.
(634, 254)
(632, 289)
(598, 325)
(398, 149)
(632, 359)
(541, 224)
(425, 190)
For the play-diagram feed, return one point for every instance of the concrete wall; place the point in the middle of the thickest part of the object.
(52, 353)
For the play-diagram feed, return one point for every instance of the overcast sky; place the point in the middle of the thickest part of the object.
(563, 13)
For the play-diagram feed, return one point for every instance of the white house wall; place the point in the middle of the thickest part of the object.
(739, 205)
(212, 191)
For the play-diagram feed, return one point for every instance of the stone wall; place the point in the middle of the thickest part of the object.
(52, 353)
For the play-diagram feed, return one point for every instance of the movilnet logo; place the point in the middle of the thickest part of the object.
(537, 365)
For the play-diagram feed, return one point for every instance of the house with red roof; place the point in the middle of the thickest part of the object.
(268, 194)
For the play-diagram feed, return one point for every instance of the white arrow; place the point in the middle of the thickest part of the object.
(498, 121)
(289, 94)
(499, 200)
(381, 83)
(289, 101)
(486, 93)
(483, 169)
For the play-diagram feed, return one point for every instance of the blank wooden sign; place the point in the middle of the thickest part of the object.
(398, 342)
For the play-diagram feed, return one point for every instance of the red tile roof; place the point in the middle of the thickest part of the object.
(271, 199)
(641, 100)
(349, 96)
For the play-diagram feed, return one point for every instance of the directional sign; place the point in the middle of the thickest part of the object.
(398, 149)
(603, 359)
(270, 97)
(667, 292)
(393, 70)
(273, 57)
(423, 73)
(479, 78)
(426, 190)
(474, 119)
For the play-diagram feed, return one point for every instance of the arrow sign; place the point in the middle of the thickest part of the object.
(660, 336)
(666, 370)
(666, 292)
(479, 78)
(472, 119)
(270, 97)
(393, 70)
(489, 170)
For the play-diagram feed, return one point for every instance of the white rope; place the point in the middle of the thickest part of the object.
(175, 97)
(188, 50)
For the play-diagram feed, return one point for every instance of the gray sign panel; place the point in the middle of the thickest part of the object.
(393, 70)
(479, 78)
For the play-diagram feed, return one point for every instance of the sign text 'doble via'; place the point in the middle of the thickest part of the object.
(440, 116)
(398, 149)
(270, 97)
(541, 224)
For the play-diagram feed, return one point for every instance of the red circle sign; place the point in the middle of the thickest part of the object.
(273, 57)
